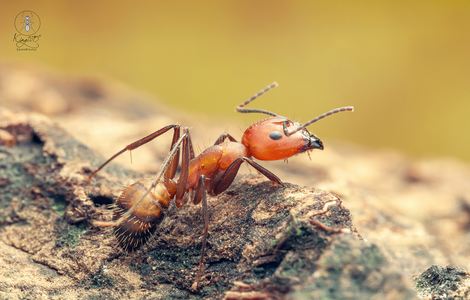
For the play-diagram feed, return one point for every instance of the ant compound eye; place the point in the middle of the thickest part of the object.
(275, 135)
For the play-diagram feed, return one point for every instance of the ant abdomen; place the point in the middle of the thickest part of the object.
(138, 213)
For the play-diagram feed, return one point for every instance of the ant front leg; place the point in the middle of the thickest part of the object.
(201, 195)
(224, 181)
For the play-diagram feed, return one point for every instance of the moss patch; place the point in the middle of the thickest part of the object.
(70, 236)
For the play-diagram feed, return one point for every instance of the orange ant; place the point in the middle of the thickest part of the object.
(141, 209)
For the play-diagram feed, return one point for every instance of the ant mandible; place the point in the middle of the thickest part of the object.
(140, 209)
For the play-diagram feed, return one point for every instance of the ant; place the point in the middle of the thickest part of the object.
(140, 209)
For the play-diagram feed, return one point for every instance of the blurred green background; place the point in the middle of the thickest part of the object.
(405, 65)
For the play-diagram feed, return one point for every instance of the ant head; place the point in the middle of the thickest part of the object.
(278, 137)
(270, 139)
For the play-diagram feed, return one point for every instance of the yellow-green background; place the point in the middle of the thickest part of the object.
(405, 65)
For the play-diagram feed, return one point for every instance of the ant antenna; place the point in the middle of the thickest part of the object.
(324, 115)
(241, 109)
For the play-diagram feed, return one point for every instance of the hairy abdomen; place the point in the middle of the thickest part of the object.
(135, 226)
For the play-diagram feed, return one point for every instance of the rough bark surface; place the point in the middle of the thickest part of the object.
(262, 241)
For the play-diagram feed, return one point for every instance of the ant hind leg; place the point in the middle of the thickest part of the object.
(136, 145)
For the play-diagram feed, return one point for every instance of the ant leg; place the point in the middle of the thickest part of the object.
(201, 195)
(191, 148)
(270, 175)
(171, 171)
(134, 145)
(222, 138)
(227, 178)
(180, 200)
